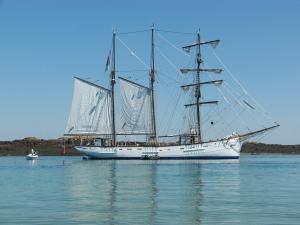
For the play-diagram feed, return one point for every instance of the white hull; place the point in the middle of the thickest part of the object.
(226, 149)
(31, 156)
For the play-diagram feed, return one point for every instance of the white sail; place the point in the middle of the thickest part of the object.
(90, 111)
(135, 107)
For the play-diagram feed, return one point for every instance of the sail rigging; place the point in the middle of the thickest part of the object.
(247, 136)
(201, 132)
(90, 110)
(197, 83)
(135, 107)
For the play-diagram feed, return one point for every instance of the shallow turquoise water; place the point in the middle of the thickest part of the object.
(262, 189)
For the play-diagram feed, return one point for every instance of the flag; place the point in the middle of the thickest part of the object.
(107, 61)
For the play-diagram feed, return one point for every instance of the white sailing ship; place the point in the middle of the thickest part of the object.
(94, 108)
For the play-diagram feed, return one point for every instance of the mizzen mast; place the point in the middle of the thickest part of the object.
(197, 83)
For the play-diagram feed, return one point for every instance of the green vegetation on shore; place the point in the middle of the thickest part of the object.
(55, 147)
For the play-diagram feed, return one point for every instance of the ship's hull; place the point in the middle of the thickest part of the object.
(226, 149)
(31, 156)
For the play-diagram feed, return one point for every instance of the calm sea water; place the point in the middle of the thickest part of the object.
(262, 189)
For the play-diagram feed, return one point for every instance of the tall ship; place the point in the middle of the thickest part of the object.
(123, 124)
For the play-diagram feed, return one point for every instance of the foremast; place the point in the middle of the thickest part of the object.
(197, 138)
(112, 87)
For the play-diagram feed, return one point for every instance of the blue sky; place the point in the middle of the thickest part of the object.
(44, 43)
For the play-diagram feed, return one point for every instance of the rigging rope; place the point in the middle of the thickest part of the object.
(168, 60)
(133, 53)
(134, 32)
(244, 95)
(226, 100)
(172, 45)
(242, 87)
(175, 32)
(238, 96)
(128, 71)
(233, 94)
(230, 73)
(165, 122)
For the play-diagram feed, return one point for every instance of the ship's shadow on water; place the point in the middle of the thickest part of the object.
(140, 192)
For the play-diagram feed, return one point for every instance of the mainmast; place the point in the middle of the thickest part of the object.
(152, 87)
(198, 84)
(112, 85)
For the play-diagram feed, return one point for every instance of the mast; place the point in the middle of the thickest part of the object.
(112, 85)
(197, 89)
(198, 84)
(152, 87)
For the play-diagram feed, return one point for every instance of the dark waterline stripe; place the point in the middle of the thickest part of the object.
(167, 158)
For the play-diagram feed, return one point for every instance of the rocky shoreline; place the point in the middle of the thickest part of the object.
(55, 148)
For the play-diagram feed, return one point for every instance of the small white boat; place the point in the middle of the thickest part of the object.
(33, 155)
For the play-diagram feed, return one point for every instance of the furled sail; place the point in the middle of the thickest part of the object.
(90, 111)
(135, 108)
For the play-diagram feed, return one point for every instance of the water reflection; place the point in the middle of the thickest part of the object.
(150, 192)
(112, 191)
(143, 192)
(32, 162)
(179, 198)
(153, 191)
